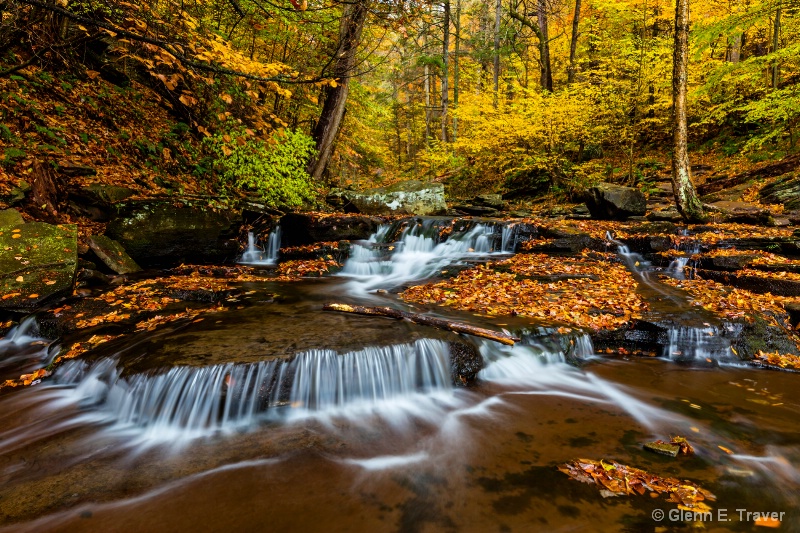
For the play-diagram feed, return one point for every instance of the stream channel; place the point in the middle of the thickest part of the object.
(279, 416)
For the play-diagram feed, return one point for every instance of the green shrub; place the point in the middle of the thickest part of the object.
(275, 169)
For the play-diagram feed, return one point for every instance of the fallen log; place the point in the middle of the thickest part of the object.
(449, 325)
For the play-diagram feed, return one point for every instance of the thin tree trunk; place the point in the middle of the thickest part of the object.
(445, 68)
(330, 121)
(735, 48)
(776, 34)
(427, 84)
(544, 47)
(685, 195)
(496, 75)
(573, 43)
(456, 66)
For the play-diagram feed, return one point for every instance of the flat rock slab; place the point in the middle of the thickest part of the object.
(38, 261)
(404, 198)
(113, 254)
(9, 218)
(757, 284)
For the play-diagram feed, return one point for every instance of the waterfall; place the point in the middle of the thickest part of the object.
(256, 256)
(697, 344)
(510, 236)
(419, 252)
(190, 401)
(22, 349)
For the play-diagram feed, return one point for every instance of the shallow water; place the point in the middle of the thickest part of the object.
(381, 447)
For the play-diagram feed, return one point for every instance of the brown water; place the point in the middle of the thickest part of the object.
(482, 459)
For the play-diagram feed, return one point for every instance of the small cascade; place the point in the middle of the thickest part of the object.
(509, 238)
(191, 401)
(256, 256)
(677, 268)
(422, 249)
(697, 344)
(537, 348)
(22, 349)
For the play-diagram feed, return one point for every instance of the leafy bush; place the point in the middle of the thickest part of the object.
(275, 169)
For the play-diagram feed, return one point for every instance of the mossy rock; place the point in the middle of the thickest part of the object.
(9, 218)
(760, 335)
(38, 262)
(113, 254)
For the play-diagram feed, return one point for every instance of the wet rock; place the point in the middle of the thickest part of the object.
(475, 210)
(670, 214)
(654, 228)
(18, 193)
(760, 335)
(728, 263)
(647, 244)
(785, 190)
(615, 202)
(405, 198)
(112, 254)
(10, 218)
(744, 213)
(298, 229)
(778, 245)
(38, 262)
(567, 240)
(489, 200)
(465, 362)
(97, 201)
(157, 233)
(91, 278)
(757, 284)
(663, 448)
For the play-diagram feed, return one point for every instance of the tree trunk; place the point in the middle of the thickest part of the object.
(427, 84)
(445, 67)
(573, 43)
(496, 74)
(776, 34)
(734, 52)
(685, 194)
(330, 121)
(456, 67)
(546, 79)
(458, 327)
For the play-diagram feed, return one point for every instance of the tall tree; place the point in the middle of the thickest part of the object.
(351, 25)
(496, 74)
(776, 36)
(544, 46)
(445, 67)
(573, 42)
(682, 187)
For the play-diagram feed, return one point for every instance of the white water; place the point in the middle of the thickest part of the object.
(22, 349)
(256, 256)
(419, 253)
(705, 343)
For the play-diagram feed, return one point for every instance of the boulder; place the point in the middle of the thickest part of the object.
(743, 212)
(785, 190)
(607, 201)
(666, 214)
(465, 362)
(159, 233)
(405, 198)
(475, 210)
(38, 262)
(299, 229)
(112, 254)
(10, 218)
(96, 201)
(489, 200)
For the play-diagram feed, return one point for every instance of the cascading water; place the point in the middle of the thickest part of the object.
(22, 349)
(190, 401)
(697, 344)
(256, 256)
(420, 252)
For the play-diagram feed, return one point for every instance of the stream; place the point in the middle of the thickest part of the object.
(279, 416)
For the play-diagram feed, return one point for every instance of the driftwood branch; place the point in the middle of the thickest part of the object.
(449, 325)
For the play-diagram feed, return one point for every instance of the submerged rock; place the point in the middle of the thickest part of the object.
(38, 262)
(663, 448)
(615, 202)
(157, 233)
(405, 198)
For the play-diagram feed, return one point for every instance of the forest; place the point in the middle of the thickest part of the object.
(286, 100)
(399, 265)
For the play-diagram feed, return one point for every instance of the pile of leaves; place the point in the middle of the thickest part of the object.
(590, 293)
(614, 479)
(295, 270)
(774, 359)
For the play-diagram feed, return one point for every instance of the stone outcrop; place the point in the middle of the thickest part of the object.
(405, 198)
(607, 201)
